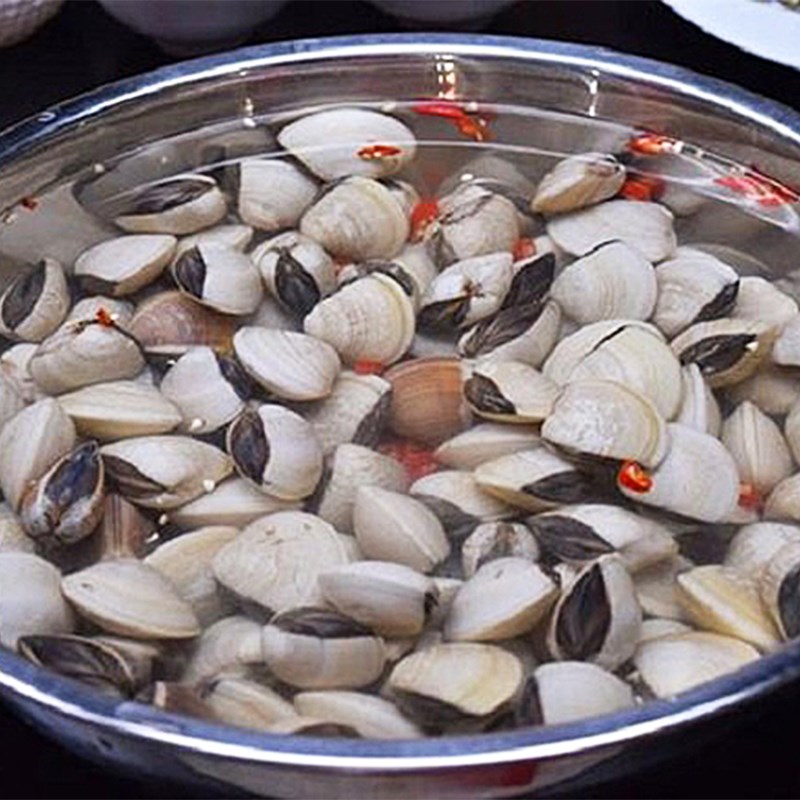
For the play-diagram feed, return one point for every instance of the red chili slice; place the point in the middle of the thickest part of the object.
(417, 459)
(633, 476)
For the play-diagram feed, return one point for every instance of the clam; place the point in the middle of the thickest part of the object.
(124, 531)
(127, 597)
(14, 368)
(607, 420)
(11, 402)
(693, 287)
(698, 478)
(613, 281)
(357, 219)
(458, 500)
(758, 447)
(699, 408)
(219, 277)
(786, 351)
(726, 350)
(670, 665)
(657, 628)
(30, 443)
(779, 590)
(292, 366)
(231, 502)
(177, 698)
(272, 194)
(169, 323)
(87, 309)
(465, 292)
(276, 450)
(493, 540)
(395, 527)
(578, 533)
(350, 467)
(296, 270)
(481, 682)
(82, 353)
(35, 303)
(164, 471)
(415, 261)
(315, 648)
(371, 319)
(186, 562)
(597, 617)
(510, 391)
(31, 602)
(472, 221)
(276, 560)
(390, 599)
(236, 236)
(645, 227)
(178, 205)
(207, 389)
(538, 480)
(521, 595)
(120, 410)
(13, 538)
(656, 588)
(783, 502)
(355, 411)
(349, 141)
(122, 266)
(485, 442)
(754, 546)
(720, 600)
(369, 716)
(224, 646)
(246, 703)
(578, 181)
(773, 389)
(271, 314)
(760, 300)
(568, 691)
(791, 428)
(66, 503)
(427, 403)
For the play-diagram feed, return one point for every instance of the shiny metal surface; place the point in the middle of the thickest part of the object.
(60, 145)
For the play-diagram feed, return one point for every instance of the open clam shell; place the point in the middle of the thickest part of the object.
(493, 540)
(578, 181)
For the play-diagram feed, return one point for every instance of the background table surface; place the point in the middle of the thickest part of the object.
(83, 48)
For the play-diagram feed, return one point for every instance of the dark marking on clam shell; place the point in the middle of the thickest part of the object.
(484, 394)
(23, 295)
(238, 379)
(93, 663)
(322, 623)
(91, 284)
(789, 602)
(568, 539)
(166, 196)
(466, 210)
(504, 545)
(716, 354)
(528, 708)
(129, 481)
(608, 337)
(584, 618)
(297, 290)
(371, 426)
(703, 544)
(248, 445)
(567, 487)
(531, 282)
(330, 730)
(505, 326)
(430, 603)
(444, 315)
(720, 305)
(77, 477)
(598, 247)
(178, 698)
(398, 273)
(433, 714)
(456, 522)
(190, 272)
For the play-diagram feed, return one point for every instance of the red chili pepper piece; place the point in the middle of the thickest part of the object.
(654, 144)
(31, 203)
(642, 187)
(472, 124)
(418, 460)
(422, 215)
(104, 318)
(632, 475)
(366, 367)
(523, 248)
(762, 190)
(372, 152)
(750, 498)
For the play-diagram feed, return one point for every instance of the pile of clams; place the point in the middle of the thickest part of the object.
(300, 450)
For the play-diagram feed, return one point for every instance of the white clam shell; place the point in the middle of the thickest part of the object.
(786, 351)
(658, 627)
(124, 265)
(30, 443)
(121, 311)
(656, 588)
(293, 366)
(394, 527)
(773, 389)
(612, 282)
(11, 401)
(14, 367)
(485, 442)
(248, 704)
(32, 322)
(578, 181)
(783, 502)
(236, 236)
(699, 408)
(273, 194)
(30, 599)
(275, 560)
(329, 143)
(777, 589)
(754, 546)
(492, 540)
(127, 597)
(229, 643)
(791, 428)
(759, 299)
(120, 409)
(645, 227)
(13, 538)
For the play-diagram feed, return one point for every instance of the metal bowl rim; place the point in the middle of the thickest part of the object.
(73, 701)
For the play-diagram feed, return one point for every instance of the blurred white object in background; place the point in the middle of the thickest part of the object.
(20, 18)
(186, 27)
(442, 10)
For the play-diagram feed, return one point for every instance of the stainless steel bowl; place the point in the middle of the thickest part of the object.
(160, 114)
